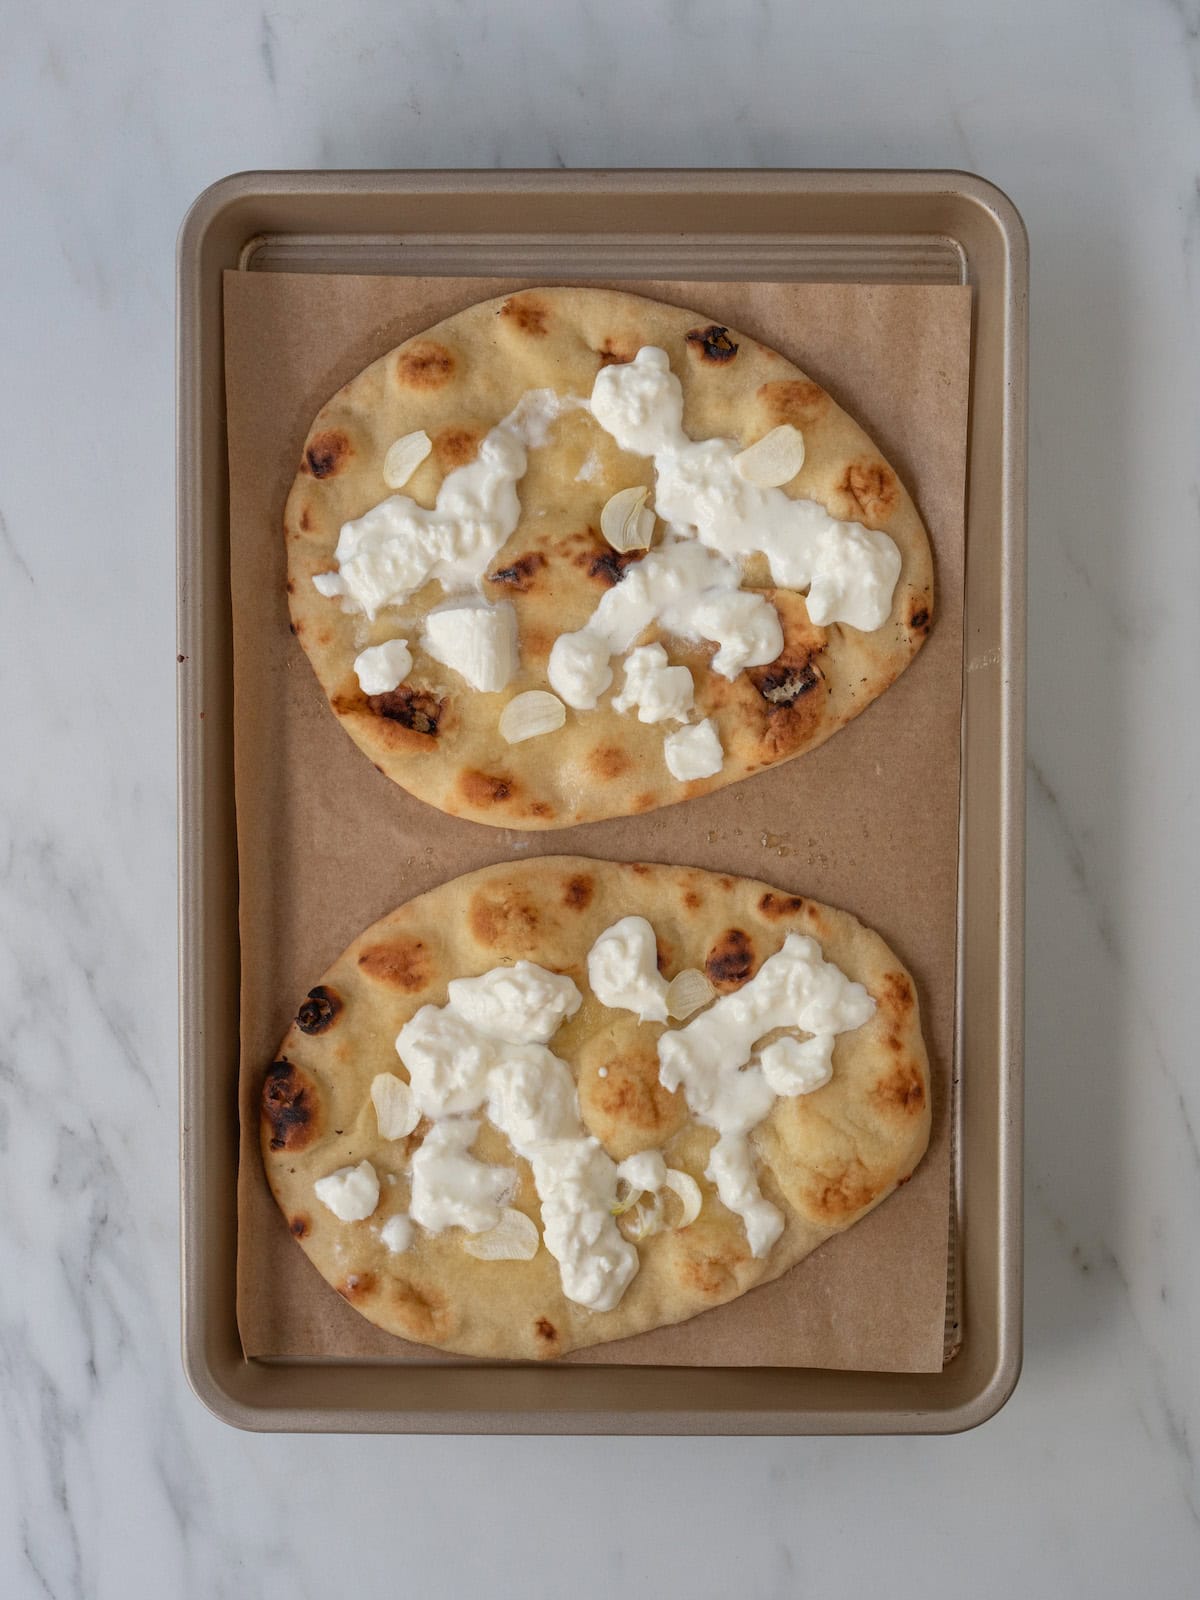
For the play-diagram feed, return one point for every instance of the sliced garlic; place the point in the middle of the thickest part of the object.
(643, 1221)
(627, 1200)
(529, 715)
(404, 457)
(688, 1191)
(627, 522)
(514, 1238)
(773, 460)
(395, 1109)
(687, 992)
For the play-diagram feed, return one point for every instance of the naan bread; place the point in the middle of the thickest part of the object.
(825, 1158)
(437, 737)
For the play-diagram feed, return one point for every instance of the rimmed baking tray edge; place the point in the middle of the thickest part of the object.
(892, 225)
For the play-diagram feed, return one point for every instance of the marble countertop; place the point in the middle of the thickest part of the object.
(113, 1479)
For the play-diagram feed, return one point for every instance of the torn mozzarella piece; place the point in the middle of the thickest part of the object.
(386, 555)
(694, 752)
(396, 1234)
(658, 691)
(710, 1060)
(731, 1168)
(623, 970)
(849, 570)
(383, 667)
(477, 640)
(798, 1066)
(521, 1004)
(450, 1188)
(687, 590)
(351, 1193)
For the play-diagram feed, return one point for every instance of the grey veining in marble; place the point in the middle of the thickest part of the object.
(113, 1480)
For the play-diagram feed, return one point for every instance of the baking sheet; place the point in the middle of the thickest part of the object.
(869, 822)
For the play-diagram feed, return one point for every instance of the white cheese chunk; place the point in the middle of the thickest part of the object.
(694, 752)
(477, 640)
(658, 691)
(396, 1234)
(646, 1170)
(351, 1193)
(849, 570)
(710, 1060)
(521, 1004)
(623, 970)
(448, 1061)
(577, 1183)
(383, 667)
(450, 1188)
(798, 1066)
(386, 555)
(731, 1168)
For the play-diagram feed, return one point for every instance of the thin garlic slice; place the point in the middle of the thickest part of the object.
(627, 522)
(404, 457)
(395, 1109)
(773, 460)
(625, 1202)
(688, 1191)
(687, 992)
(529, 715)
(514, 1238)
(643, 1221)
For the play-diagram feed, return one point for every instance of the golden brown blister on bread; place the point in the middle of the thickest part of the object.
(825, 1158)
(440, 739)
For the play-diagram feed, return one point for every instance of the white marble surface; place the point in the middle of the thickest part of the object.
(113, 1480)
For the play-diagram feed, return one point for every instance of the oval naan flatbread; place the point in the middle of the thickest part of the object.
(824, 1158)
(439, 738)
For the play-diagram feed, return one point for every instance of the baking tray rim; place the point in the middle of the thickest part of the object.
(221, 1395)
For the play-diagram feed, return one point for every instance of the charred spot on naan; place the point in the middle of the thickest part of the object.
(547, 1336)
(901, 1089)
(424, 364)
(520, 576)
(421, 1311)
(920, 615)
(835, 1197)
(731, 960)
(485, 790)
(711, 344)
(578, 891)
(794, 400)
(327, 453)
(357, 1287)
(774, 906)
(416, 711)
(319, 1011)
(527, 313)
(607, 762)
(300, 1225)
(706, 1257)
(616, 351)
(290, 1107)
(627, 1109)
(457, 445)
(403, 962)
(505, 918)
(607, 566)
(869, 492)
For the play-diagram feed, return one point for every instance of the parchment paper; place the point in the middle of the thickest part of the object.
(869, 821)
